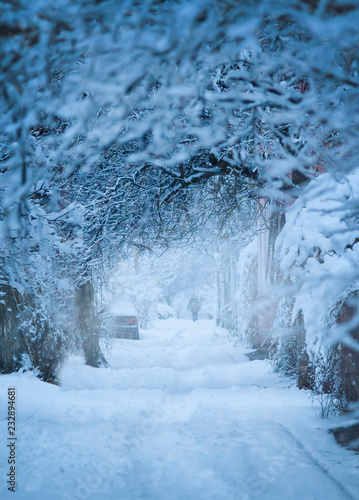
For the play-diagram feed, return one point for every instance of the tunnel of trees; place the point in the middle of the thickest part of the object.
(136, 124)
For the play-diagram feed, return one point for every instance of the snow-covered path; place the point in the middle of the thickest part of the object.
(180, 414)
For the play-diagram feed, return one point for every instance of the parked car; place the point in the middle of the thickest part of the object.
(125, 322)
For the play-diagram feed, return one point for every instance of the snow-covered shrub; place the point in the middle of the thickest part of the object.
(328, 384)
(317, 254)
(287, 339)
(164, 311)
(11, 342)
(43, 338)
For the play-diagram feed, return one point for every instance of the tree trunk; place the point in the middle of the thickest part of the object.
(88, 325)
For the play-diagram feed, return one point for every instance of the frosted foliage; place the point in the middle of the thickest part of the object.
(257, 83)
(317, 250)
(178, 77)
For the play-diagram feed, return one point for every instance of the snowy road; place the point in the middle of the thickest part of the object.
(180, 414)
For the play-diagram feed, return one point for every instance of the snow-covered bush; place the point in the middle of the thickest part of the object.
(164, 311)
(287, 343)
(44, 341)
(317, 255)
(12, 347)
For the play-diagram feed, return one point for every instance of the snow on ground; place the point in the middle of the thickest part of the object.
(180, 414)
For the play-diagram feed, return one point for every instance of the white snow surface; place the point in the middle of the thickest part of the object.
(180, 414)
(123, 308)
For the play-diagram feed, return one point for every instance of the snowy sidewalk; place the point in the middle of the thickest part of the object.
(180, 414)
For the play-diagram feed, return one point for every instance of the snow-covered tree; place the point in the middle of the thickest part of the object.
(131, 111)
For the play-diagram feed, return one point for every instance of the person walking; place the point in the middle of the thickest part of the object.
(194, 306)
